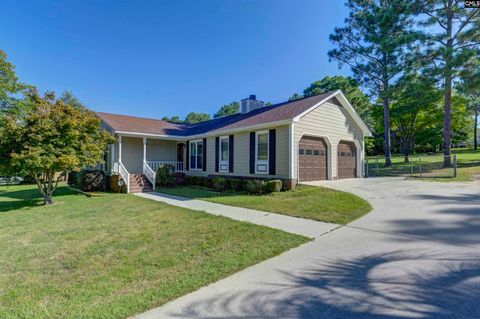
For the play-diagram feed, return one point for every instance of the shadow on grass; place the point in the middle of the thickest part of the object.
(391, 285)
(12, 199)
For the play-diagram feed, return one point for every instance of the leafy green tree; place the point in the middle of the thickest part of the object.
(295, 96)
(54, 136)
(350, 87)
(413, 96)
(228, 109)
(469, 87)
(373, 43)
(69, 98)
(11, 90)
(462, 120)
(451, 37)
(194, 117)
(174, 119)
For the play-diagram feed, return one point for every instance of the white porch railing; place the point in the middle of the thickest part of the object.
(115, 168)
(150, 174)
(176, 166)
(125, 175)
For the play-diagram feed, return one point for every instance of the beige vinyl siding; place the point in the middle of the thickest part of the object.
(132, 154)
(282, 153)
(161, 150)
(334, 123)
(241, 157)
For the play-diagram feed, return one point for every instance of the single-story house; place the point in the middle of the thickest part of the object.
(314, 138)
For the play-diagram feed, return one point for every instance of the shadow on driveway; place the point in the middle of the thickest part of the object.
(394, 285)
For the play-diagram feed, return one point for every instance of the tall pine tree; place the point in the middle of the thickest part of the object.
(451, 41)
(373, 43)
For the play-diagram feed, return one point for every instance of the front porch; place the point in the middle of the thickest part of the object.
(137, 159)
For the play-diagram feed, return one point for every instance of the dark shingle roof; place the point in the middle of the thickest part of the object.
(267, 114)
(127, 123)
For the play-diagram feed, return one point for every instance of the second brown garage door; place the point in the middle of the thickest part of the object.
(347, 160)
(312, 158)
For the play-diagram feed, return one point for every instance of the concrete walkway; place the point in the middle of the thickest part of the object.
(294, 225)
(416, 255)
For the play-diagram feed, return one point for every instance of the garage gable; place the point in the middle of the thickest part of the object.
(334, 123)
(339, 99)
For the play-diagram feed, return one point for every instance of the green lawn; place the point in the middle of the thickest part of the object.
(432, 170)
(115, 255)
(310, 202)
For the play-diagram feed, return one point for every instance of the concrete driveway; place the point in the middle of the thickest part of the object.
(416, 255)
(434, 211)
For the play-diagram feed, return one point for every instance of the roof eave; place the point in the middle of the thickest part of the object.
(151, 135)
(241, 129)
(207, 134)
(343, 99)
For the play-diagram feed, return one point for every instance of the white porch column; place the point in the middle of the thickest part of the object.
(144, 150)
(112, 157)
(119, 148)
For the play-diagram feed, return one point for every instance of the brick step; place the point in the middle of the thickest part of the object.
(139, 180)
(139, 183)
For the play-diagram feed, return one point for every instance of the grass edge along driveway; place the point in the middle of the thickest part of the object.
(114, 256)
(317, 203)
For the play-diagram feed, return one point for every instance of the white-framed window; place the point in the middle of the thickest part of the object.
(196, 155)
(261, 152)
(224, 155)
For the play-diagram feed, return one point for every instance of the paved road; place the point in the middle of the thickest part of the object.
(417, 255)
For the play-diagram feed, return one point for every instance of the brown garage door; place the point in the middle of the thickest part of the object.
(312, 158)
(347, 160)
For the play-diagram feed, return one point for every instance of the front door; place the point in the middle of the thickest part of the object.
(180, 152)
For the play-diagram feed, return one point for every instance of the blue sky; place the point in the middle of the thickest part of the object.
(156, 58)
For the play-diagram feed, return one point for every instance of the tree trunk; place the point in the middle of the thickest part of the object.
(46, 188)
(475, 128)
(386, 119)
(447, 116)
(447, 139)
(47, 199)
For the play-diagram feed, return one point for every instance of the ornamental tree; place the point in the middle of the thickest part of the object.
(51, 138)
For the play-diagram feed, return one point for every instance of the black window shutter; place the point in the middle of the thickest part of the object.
(252, 152)
(230, 153)
(217, 152)
(187, 160)
(272, 151)
(204, 154)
